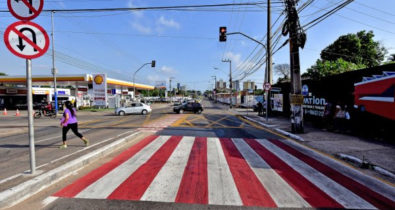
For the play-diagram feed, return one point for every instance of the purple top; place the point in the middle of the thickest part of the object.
(72, 119)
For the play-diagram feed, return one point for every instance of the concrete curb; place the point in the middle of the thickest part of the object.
(359, 162)
(27, 189)
(276, 129)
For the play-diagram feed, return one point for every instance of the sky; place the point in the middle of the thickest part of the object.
(185, 43)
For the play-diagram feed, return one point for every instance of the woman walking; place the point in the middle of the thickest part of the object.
(69, 121)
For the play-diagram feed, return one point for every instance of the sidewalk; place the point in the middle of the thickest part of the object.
(380, 155)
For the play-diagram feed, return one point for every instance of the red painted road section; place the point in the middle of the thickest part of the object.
(194, 183)
(311, 193)
(135, 186)
(75, 188)
(367, 194)
(252, 192)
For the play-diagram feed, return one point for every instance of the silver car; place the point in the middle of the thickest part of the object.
(134, 108)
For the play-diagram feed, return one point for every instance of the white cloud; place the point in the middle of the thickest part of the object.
(141, 28)
(137, 13)
(235, 58)
(152, 78)
(162, 21)
(168, 70)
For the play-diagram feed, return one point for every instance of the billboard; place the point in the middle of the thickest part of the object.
(99, 90)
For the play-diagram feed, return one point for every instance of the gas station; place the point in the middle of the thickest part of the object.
(76, 88)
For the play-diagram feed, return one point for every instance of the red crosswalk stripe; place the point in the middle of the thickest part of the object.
(73, 189)
(134, 187)
(251, 190)
(182, 170)
(311, 193)
(369, 195)
(194, 184)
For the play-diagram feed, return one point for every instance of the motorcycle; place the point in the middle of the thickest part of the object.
(40, 113)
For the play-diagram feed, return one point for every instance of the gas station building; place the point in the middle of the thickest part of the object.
(77, 88)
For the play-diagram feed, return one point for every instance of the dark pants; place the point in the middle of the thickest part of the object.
(74, 128)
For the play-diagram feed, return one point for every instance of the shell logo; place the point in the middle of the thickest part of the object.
(98, 79)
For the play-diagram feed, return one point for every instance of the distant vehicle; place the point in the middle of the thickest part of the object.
(190, 106)
(134, 108)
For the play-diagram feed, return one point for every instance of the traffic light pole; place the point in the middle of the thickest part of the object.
(134, 77)
(269, 62)
(296, 98)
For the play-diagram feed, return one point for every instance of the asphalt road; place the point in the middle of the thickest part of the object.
(100, 128)
(213, 160)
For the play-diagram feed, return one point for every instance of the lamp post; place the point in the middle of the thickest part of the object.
(153, 63)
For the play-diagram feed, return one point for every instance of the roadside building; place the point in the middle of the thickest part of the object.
(248, 85)
(221, 85)
(76, 88)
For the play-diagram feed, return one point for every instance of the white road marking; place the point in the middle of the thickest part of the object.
(103, 187)
(272, 182)
(48, 201)
(165, 186)
(222, 189)
(342, 195)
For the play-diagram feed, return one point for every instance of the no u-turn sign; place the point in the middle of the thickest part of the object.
(26, 39)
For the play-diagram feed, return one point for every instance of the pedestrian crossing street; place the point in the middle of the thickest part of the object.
(230, 171)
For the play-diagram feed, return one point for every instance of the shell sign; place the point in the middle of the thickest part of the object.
(98, 79)
(99, 90)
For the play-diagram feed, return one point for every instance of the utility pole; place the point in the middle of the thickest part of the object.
(170, 90)
(230, 80)
(215, 87)
(269, 63)
(53, 66)
(297, 38)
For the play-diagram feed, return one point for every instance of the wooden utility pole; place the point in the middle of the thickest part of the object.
(297, 39)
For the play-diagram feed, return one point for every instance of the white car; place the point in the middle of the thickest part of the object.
(134, 108)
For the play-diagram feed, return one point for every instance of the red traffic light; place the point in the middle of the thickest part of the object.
(222, 34)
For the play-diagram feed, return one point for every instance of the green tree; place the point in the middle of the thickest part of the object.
(392, 57)
(3, 74)
(326, 68)
(359, 48)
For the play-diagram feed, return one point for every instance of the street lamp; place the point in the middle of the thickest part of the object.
(153, 63)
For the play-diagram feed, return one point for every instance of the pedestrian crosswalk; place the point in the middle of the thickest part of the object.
(229, 171)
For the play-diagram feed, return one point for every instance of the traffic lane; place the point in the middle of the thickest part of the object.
(14, 155)
(216, 125)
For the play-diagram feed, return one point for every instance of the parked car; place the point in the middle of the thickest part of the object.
(190, 106)
(134, 108)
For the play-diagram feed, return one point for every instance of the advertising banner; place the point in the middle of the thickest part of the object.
(99, 90)
(278, 102)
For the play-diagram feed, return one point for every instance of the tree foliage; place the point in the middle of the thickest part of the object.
(327, 68)
(3, 74)
(359, 48)
(392, 57)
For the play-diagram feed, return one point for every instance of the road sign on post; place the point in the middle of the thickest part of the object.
(267, 86)
(25, 9)
(26, 40)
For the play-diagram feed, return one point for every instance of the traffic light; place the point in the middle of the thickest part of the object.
(222, 34)
(153, 63)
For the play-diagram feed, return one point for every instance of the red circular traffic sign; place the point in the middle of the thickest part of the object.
(26, 39)
(267, 86)
(25, 9)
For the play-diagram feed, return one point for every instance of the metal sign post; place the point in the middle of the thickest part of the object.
(30, 114)
(27, 40)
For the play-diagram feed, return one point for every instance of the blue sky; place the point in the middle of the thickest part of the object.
(184, 43)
